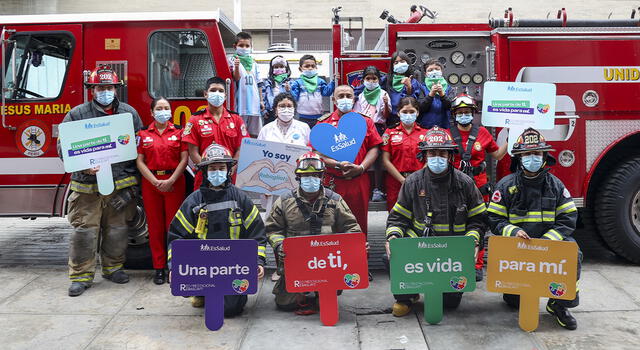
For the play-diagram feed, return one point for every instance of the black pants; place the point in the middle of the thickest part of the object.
(234, 304)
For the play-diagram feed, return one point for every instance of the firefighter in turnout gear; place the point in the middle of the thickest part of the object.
(310, 209)
(219, 210)
(100, 222)
(437, 200)
(532, 203)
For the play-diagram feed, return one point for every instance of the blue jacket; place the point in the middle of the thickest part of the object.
(267, 87)
(298, 89)
(395, 96)
(434, 110)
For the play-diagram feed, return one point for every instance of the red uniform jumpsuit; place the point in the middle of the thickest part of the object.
(355, 191)
(202, 130)
(403, 149)
(161, 155)
(484, 144)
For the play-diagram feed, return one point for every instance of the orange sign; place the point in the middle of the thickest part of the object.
(533, 269)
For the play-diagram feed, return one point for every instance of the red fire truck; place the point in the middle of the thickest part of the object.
(595, 67)
(43, 60)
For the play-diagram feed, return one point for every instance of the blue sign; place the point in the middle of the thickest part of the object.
(519, 105)
(343, 142)
(214, 268)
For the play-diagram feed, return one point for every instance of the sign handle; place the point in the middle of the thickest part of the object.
(105, 180)
(432, 307)
(328, 307)
(528, 316)
(214, 311)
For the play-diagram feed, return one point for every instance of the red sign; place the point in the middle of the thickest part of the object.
(325, 264)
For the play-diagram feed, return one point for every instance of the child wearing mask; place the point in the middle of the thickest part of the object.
(435, 97)
(399, 83)
(309, 89)
(276, 83)
(245, 73)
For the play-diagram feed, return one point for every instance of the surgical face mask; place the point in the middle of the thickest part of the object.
(401, 67)
(217, 177)
(310, 73)
(243, 51)
(408, 118)
(105, 97)
(434, 74)
(278, 71)
(532, 163)
(464, 119)
(371, 85)
(310, 184)
(345, 104)
(216, 98)
(162, 116)
(285, 113)
(437, 164)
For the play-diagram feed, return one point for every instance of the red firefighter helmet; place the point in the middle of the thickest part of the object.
(437, 139)
(531, 140)
(103, 75)
(310, 162)
(463, 101)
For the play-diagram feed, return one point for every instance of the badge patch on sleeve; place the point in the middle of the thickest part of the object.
(187, 129)
(566, 193)
(243, 130)
(497, 196)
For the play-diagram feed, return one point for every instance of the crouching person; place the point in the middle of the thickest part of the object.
(310, 209)
(219, 210)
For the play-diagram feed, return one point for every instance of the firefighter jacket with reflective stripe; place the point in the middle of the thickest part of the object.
(124, 173)
(542, 207)
(227, 213)
(450, 201)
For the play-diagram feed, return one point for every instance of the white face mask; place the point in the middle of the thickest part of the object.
(162, 116)
(285, 113)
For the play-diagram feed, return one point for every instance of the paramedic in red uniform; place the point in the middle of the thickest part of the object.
(215, 124)
(474, 142)
(349, 179)
(162, 158)
(400, 149)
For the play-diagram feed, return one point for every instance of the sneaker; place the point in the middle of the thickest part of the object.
(378, 196)
(306, 307)
(77, 288)
(197, 301)
(562, 314)
(479, 275)
(119, 277)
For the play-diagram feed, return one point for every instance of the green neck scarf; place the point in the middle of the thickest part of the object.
(397, 82)
(372, 96)
(310, 84)
(280, 77)
(442, 81)
(246, 61)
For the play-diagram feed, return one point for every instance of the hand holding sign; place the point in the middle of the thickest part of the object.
(532, 268)
(432, 266)
(343, 142)
(326, 264)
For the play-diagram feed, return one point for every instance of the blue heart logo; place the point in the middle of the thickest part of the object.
(341, 143)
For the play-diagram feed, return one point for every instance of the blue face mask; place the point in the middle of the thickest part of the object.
(310, 184)
(242, 51)
(216, 98)
(345, 105)
(408, 118)
(217, 177)
(434, 74)
(371, 85)
(310, 73)
(162, 116)
(532, 163)
(464, 119)
(437, 164)
(401, 67)
(105, 97)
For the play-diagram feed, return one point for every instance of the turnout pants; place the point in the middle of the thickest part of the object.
(95, 222)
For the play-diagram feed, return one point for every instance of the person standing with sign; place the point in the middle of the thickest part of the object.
(309, 210)
(349, 179)
(533, 203)
(96, 217)
(214, 124)
(438, 200)
(474, 142)
(399, 149)
(162, 159)
(219, 210)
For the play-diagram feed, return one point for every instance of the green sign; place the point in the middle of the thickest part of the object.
(432, 266)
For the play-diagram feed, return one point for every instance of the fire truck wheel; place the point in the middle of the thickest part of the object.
(618, 210)
(138, 252)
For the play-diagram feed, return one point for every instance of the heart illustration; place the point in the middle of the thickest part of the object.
(240, 286)
(557, 289)
(343, 142)
(352, 280)
(458, 283)
(542, 108)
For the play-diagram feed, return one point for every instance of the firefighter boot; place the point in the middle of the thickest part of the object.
(562, 314)
(119, 277)
(78, 288)
(401, 308)
(197, 301)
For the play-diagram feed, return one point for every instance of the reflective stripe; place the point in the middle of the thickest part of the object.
(393, 230)
(474, 234)
(83, 188)
(459, 228)
(553, 235)
(567, 207)
(111, 269)
(261, 251)
(169, 255)
(276, 238)
(497, 209)
(508, 229)
(185, 223)
(411, 233)
(477, 210)
(234, 232)
(83, 277)
(403, 211)
(533, 216)
(441, 227)
(252, 216)
(126, 182)
(216, 206)
(419, 226)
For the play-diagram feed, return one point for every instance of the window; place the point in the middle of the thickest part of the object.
(41, 64)
(180, 63)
